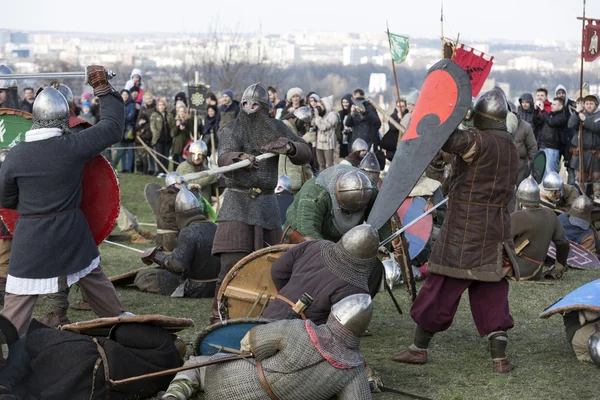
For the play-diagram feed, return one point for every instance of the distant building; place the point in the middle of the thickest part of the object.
(528, 63)
(359, 55)
(19, 37)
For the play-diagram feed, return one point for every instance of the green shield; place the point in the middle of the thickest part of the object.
(13, 126)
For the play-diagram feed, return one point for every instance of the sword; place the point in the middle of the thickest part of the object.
(59, 75)
(411, 223)
(227, 168)
(123, 246)
(400, 392)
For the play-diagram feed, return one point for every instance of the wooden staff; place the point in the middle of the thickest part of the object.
(393, 63)
(196, 79)
(214, 157)
(386, 117)
(149, 150)
(580, 136)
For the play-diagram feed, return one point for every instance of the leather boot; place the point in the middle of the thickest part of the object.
(55, 319)
(411, 356)
(503, 366)
(81, 306)
(498, 343)
(214, 312)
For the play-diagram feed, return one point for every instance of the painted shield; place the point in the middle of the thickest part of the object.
(248, 288)
(13, 126)
(99, 203)
(418, 234)
(586, 297)
(443, 103)
(102, 326)
(579, 258)
(152, 193)
(538, 166)
(225, 336)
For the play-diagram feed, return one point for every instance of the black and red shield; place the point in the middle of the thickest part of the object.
(99, 203)
(443, 103)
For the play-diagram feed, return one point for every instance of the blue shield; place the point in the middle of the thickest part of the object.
(584, 298)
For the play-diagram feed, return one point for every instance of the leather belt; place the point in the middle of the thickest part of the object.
(474, 203)
(263, 381)
(253, 191)
(290, 303)
(106, 370)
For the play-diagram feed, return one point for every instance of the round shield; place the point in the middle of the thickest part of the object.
(99, 203)
(102, 326)
(13, 126)
(584, 298)
(418, 234)
(225, 336)
(248, 287)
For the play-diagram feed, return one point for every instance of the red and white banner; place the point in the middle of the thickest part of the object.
(591, 33)
(475, 65)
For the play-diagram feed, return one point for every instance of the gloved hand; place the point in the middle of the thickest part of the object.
(557, 271)
(245, 344)
(97, 78)
(253, 162)
(280, 146)
(149, 254)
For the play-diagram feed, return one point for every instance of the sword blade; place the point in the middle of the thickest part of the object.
(123, 246)
(49, 75)
(400, 392)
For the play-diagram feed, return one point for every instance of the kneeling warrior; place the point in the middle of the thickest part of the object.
(197, 161)
(191, 264)
(287, 355)
(577, 224)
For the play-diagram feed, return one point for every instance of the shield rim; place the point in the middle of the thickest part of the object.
(571, 307)
(579, 247)
(148, 185)
(226, 322)
(171, 324)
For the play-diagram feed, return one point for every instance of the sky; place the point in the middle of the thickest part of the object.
(473, 19)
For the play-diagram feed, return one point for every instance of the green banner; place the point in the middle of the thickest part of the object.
(398, 47)
(13, 129)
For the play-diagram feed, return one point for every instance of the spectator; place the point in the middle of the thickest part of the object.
(295, 100)
(276, 103)
(403, 108)
(326, 120)
(145, 164)
(526, 145)
(179, 97)
(389, 142)
(211, 99)
(135, 79)
(298, 174)
(552, 133)
(86, 113)
(364, 121)
(27, 103)
(229, 110)
(589, 115)
(96, 108)
(211, 125)
(346, 132)
(125, 151)
(568, 109)
(181, 132)
(136, 99)
(526, 110)
(161, 123)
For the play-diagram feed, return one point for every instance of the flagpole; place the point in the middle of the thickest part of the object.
(393, 63)
(442, 26)
(580, 136)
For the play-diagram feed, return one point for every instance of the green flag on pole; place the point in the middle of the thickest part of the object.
(398, 47)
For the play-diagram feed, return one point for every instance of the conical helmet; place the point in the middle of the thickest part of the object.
(7, 83)
(197, 149)
(492, 105)
(552, 181)
(185, 200)
(254, 98)
(67, 93)
(173, 178)
(359, 145)
(361, 242)
(354, 312)
(580, 213)
(50, 110)
(594, 346)
(303, 114)
(528, 192)
(284, 183)
(370, 165)
(353, 191)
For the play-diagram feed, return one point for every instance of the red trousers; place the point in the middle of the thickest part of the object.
(438, 299)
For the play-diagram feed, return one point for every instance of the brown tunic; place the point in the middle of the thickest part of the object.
(476, 231)
(165, 220)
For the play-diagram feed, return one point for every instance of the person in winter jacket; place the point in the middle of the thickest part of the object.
(326, 139)
(526, 144)
(589, 116)
(181, 132)
(144, 163)
(346, 132)
(125, 153)
(527, 113)
(568, 109)
(390, 140)
(161, 123)
(364, 121)
(179, 97)
(229, 110)
(135, 79)
(211, 125)
(86, 113)
(552, 134)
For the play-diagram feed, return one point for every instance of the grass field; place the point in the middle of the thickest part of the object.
(459, 363)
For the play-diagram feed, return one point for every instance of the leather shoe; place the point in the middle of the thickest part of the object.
(410, 356)
(503, 366)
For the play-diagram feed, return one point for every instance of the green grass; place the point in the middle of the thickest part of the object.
(459, 362)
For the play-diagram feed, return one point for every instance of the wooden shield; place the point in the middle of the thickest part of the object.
(223, 337)
(248, 288)
(127, 278)
(13, 126)
(579, 258)
(102, 326)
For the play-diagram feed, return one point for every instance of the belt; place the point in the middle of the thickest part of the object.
(202, 280)
(253, 192)
(104, 362)
(291, 304)
(263, 381)
(474, 203)
(55, 214)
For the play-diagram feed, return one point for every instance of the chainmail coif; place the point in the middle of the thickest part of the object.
(348, 268)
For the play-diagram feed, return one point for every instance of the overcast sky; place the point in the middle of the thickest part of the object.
(473, 19)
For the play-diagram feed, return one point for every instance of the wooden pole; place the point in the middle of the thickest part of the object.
(393, 64)
(580, 136)
(442, 26)
(214, 162)
(152, 154)
(196, 80)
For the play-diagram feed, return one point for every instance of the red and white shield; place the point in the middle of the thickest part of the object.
(100, 199)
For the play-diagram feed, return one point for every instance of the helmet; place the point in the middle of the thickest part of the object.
(594, 346)
(198, 148)
(303, 114)
(552, 181)
(173, 178)
(185, 200)
(255, 97)
(6, 83)
(361, 242)
(580, 213)
(354, 312)
(370, 165)
(284, 183)
(492, 104)
(67, 93)
(392, 272)
(50, 110)
(528, 192)
(353, 190)
(359, 145)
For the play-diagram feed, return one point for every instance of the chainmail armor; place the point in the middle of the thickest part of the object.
(336, 343)
(62, 124)
(247, 134)
(293, 367)
(350, 269)
(342, 221)
(482, 123)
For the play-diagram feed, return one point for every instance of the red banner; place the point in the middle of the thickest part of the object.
(591, 33)
(476, 66)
